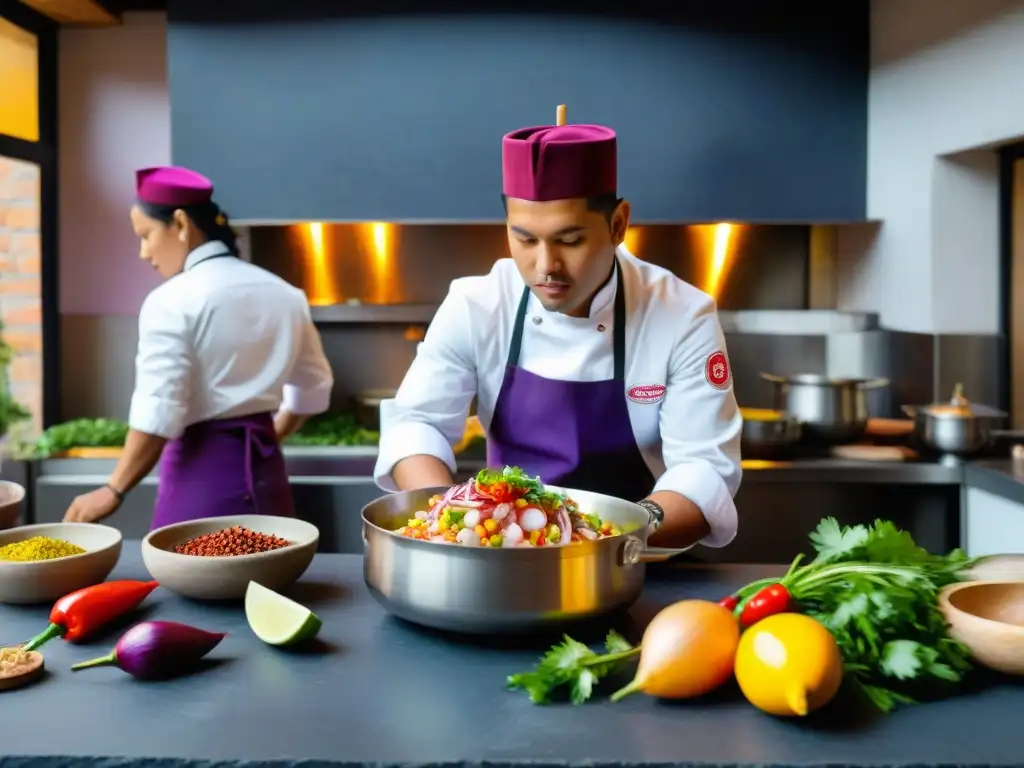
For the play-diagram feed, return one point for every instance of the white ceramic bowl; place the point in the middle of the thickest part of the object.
(11, 496)
(44, 581)
(227, 577)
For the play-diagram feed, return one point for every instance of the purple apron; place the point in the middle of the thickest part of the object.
(576, 434)
(223, 467)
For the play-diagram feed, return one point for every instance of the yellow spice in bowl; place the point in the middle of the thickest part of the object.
(39, 548)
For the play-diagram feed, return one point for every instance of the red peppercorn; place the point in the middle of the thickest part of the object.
(229, 542)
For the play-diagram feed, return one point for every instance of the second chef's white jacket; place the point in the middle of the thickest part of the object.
(225, 338)
(689, 436)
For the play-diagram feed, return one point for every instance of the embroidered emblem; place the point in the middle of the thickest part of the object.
(646, 394)
(716, 370)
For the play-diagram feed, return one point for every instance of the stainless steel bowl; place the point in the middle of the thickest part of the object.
(484, 591)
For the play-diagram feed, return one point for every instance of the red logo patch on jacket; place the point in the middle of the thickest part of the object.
(646, 393)
(716, 370)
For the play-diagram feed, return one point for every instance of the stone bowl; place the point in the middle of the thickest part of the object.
(227, 577)
(11, 496)
(988, 617)
(44, 581)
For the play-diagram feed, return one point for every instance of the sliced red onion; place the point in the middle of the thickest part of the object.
(465, 504)
(512, 518)
(564, 526)
(587, 533)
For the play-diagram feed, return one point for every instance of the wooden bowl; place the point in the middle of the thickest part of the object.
(227, 577)
(44, 581)
(11, 496)
(988, 617)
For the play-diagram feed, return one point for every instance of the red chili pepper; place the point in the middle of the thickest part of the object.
(771, 600)
(80, 614)
(730, 602)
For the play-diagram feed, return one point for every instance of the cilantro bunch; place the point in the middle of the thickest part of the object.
(877, 593)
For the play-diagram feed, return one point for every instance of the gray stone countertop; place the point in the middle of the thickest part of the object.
(379, 691)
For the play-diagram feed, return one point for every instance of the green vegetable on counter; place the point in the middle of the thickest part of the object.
(877, 593)
(574, 666)
(333, 429)
(82, 433)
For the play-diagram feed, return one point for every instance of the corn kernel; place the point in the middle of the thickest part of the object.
(491, 525)
(496, 540)
(534, 535)
(442, 526)
(484, 543)
(456, 527)
(481, 531)
(554, 533)
(521, 503)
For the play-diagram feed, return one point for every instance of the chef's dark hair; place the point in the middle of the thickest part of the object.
(603, 204)
(207, 217)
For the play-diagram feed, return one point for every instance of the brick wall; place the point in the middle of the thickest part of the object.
(20, 297)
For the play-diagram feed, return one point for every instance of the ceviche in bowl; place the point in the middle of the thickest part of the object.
(505, 508)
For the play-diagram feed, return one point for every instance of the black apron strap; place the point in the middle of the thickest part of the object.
(618, 328)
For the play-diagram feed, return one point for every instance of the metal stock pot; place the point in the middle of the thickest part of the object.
(482, 590)
(829, 410)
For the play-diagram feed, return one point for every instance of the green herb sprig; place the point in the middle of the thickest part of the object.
(574, 666)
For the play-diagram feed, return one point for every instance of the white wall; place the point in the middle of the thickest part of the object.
(114, 118)
(946, 80)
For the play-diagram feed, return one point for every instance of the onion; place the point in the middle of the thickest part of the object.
(467, 537)
(587, 533)
(532, 519)
(564, 526)
(688, 649)
(513, 535)
(501, 511)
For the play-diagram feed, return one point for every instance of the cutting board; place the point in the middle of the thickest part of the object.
(873, 453)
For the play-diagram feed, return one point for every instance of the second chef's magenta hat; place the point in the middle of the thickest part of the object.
(172, 185)
(559, 162)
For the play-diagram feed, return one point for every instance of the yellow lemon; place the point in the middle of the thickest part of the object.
(788, 664)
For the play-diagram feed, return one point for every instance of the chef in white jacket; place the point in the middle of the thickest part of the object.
(591, 368)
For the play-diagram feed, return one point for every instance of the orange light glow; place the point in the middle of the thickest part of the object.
(379, 238)
(634, 240)
(718, 241)
(321, 287)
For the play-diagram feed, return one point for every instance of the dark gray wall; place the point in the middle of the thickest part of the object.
(313, 110)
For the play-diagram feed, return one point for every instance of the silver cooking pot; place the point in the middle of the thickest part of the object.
(957, 427)
(829, 410)
(482, 590)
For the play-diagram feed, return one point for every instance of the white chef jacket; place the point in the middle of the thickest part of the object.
(224, 339)
(690, 439)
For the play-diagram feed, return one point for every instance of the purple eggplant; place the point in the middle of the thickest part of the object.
(156, 649)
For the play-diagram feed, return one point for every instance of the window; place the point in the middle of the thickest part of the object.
(19, 72)
(28, 212)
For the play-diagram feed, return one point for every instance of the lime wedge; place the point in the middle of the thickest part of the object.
(276, 619)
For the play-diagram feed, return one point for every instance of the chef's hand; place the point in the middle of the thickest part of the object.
(92, 507)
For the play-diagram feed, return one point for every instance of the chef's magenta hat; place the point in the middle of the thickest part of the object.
(172, 185)
(559, 162)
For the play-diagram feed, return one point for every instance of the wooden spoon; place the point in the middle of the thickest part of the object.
(26, 671)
